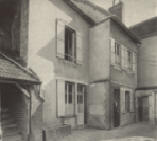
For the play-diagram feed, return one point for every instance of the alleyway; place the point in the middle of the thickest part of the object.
(134, 132)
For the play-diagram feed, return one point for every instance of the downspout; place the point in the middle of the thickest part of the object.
(155, 108)
(110, 102)
(30, 118)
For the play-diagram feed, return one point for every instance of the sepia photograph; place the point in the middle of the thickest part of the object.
(78, 70)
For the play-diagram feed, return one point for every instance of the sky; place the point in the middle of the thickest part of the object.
(135, 11)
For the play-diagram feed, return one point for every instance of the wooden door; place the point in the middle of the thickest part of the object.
(143, 103)
(116, 107)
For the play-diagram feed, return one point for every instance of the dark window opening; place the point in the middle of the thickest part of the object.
(70, 44)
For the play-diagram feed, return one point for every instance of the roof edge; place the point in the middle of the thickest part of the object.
(126, 29)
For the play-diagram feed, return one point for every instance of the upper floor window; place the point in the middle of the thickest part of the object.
(130, 60)
(117, 53)
(122, 56)
(69, 43)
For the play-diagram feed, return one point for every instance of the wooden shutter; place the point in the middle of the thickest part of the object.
(123, 56)
(113, 55)
(79, 52)
(134, 62)
(122, 98)
(61, 98)
(131, 100)
(60, 35)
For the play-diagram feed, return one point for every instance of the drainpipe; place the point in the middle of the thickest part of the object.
(30, 120)
(155, 108)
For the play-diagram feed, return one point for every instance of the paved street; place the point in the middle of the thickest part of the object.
(133, 132)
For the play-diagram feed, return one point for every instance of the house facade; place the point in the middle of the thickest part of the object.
(111, 98)
(146, 91)
(67, 50)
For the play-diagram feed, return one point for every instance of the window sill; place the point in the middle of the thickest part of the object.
(67, 116)
(71, 63)
(116, 67)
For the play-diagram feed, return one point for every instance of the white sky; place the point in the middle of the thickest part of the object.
(135, 11)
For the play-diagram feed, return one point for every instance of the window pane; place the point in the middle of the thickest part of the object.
(70, 47)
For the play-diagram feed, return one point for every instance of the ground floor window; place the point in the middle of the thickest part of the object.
(70, 98)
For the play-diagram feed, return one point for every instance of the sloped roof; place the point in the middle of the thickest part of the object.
(11, 70)
(95, 15)
(146, 28)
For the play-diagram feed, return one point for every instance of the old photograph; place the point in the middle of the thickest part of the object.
(78, 70)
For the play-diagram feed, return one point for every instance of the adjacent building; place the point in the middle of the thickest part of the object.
(146, 107)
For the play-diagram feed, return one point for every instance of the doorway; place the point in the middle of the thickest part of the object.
(116, 107)
(143, 108)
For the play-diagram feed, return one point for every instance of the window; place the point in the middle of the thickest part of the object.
(130, 60)
(127, 101)
(70, 44)
(80, 93)
(80, 98)
(69, 98)
(117, 53)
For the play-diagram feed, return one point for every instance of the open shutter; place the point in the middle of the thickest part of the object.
(113, 57)
(134, 61)
(131, 100)
(79, 52)
(61, 98)
(60, 35)
(122, 98)
(123, 56)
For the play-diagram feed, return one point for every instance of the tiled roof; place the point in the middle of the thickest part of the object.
(95, 15)
(145, 28)
(10, 70)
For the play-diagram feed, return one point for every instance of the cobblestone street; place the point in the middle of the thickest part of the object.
(133, 132)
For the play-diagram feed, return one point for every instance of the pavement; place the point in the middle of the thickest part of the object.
(134, 132)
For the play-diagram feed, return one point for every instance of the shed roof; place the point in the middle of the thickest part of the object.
(11, 70)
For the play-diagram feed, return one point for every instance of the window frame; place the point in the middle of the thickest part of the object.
(70, 57)
(69, 98)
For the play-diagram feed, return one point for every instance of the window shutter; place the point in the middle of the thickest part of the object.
(134, 62)
(113, 57)
(61, 98)
(122, 98)
(79, 51)
(60, 35)
(123, 56)
(131, 100)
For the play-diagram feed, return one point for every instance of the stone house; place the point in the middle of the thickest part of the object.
(146, 108)
(69, 41)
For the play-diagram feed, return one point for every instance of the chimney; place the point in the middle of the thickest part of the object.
(117, 9)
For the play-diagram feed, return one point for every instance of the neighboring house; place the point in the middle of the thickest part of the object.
(113, 48)
(146, 107)
(21, 104)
